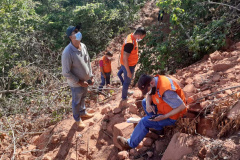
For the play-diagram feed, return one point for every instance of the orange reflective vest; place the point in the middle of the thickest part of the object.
(164, 84)
(106, 64)
(133, 57)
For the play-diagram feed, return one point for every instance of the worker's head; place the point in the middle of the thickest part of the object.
(139, 33)
(109, 55)
(147, 84)
(74, 35)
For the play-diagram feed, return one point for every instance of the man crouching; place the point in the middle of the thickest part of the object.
(164, 104)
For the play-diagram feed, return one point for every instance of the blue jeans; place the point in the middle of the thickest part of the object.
(120, 72)
(143, 126)
(78, 102)
(127, 81)
(103, 79)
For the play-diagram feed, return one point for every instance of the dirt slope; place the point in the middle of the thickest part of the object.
(216, 78)
(213, 87)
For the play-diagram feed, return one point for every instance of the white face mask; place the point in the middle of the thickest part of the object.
(78, 36)
(109, 58)
(138, 40)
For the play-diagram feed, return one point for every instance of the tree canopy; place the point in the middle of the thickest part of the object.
(195, 28)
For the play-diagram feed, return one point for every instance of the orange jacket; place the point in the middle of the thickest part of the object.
(106, 64)
(164, 84)
(133, 57)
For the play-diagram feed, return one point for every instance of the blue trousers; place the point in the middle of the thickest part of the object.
(78, 102)
(127, 81)
(103, 79)
(120, 72)
(143, 126)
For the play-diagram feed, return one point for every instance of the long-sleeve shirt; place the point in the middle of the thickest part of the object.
(76, 65)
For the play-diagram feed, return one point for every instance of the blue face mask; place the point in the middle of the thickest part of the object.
(78, 36)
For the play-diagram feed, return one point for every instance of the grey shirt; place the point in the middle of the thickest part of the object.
(76, 65)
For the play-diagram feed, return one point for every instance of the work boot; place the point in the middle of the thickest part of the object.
(80, 124)
(87, 115)
(158, 132)
(123, 143)
(123, 103)
(130, 93)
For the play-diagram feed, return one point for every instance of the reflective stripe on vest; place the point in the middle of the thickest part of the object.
(133, 56)
(164, 84)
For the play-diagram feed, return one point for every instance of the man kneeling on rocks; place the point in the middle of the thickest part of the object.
(164, 104)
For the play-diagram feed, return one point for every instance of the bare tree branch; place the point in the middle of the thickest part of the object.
(23, 91)
(14, 142)
(197, 100)
(185, 30)
(223, 4)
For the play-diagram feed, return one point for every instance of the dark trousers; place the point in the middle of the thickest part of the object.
(107, 79)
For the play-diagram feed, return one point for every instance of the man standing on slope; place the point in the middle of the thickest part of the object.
(105, 69)
(164, 104)
(76, 67)
(129, 58)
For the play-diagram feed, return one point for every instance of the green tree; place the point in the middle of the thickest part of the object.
(197, 28)
(17, 26)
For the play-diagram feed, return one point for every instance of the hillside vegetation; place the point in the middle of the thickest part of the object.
(33, 37)
(193, 29)
(33, 95)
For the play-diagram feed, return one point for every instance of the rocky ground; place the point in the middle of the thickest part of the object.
(209, 131)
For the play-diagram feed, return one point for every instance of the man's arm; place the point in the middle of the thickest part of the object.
(175, 111)
(149, 107)
(101, 69)
(171, 113)
(174, 101)
(127, 51)
(66, 67)
(125, 62)
(89, 62)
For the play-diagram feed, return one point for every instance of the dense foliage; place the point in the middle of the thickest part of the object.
(17, 24)
(190, 29)
(100, 20)
(33, 37)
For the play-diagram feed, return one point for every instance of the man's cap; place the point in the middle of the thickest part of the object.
(109, 54)
(69, 31)
(144, 82)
